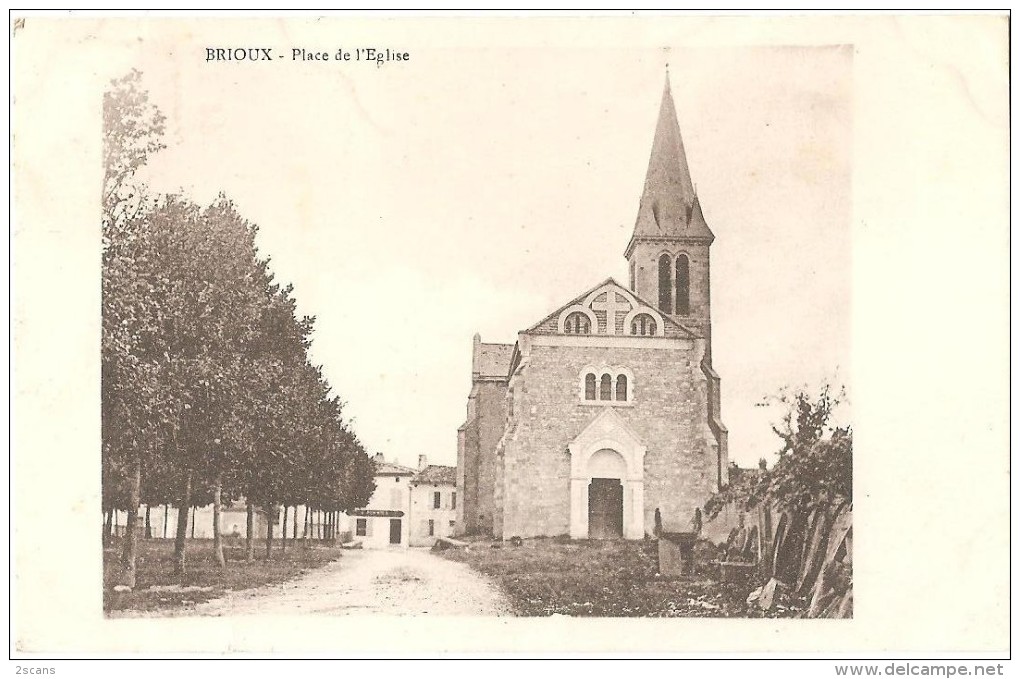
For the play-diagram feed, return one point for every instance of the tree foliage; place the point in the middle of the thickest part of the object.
(814, 464)
(206, 380)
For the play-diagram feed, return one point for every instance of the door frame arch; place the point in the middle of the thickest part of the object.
(608, 431)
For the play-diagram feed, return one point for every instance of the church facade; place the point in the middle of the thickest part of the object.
(607, 410)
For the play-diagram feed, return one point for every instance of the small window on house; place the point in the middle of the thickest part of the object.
(437, 499)
(361, 527)
(632, 281)
(432, 527)
(452, 524)
(589, 387)
(621, 388)
(453, 501)
(606, 388)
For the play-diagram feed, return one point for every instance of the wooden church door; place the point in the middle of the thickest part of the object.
(605, 509)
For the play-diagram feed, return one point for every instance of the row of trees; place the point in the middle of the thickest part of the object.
(208, 393)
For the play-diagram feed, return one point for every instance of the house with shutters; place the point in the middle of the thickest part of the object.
(385, 520)
(411, 507)
(433, 503)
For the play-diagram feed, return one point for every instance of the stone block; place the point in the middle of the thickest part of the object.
(676, 553)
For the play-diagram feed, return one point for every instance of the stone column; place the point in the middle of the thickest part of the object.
(579, 508)
(634, 510)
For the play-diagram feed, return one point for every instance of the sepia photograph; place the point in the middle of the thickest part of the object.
(473, 324)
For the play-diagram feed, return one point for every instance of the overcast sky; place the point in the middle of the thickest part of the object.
(476, 190)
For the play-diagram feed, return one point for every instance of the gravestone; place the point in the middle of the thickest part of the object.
(676, 553)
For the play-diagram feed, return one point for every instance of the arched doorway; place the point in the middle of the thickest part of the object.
(605, 495)
(607, 480)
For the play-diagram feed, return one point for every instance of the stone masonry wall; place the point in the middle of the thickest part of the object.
(491, 410)
(646, 260)
(668, 412)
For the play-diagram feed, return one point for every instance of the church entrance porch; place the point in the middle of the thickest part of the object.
(605, 509)
(607, 485)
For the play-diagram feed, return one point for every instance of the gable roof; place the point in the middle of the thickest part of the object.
(544, 326)
(437, 475)
(490, 360)
(390, 469)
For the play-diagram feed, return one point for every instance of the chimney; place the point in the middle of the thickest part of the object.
(423, 462)
(379, 459)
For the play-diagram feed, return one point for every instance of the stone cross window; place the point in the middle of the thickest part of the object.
(613, 304)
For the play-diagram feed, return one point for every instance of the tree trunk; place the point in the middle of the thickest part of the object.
(194, 511)
(148, 524)
(182, 527)
(130, 555)
(217, 519)
(107, 527)
(269, 531)
(166, 518)
(293, 537)
(304, 537)
(283, 535)
(249, 543)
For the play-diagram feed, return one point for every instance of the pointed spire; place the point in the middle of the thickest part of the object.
(668, 195)
(667, 166)
(698, 227)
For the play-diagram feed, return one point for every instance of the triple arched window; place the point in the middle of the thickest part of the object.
(675, 284)
(607, 386)
(642, 324)
(578, 324)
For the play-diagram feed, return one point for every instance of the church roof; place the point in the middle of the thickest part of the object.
(549, 325)
(491, 360)
(669, 206)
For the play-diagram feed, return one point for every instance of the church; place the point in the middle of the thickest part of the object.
(605, 413)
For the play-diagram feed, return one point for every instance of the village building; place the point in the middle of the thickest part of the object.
(385, 520)
(433, 503)
(410, 507)
(606, 412)
(162, 521)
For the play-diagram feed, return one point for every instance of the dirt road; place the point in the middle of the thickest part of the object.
(394, 582)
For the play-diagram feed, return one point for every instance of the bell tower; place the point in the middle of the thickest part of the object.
(669, 251)
(669, 255)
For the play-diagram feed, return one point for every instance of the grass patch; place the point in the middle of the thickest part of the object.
(158, 590)
(545, 576)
